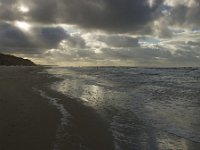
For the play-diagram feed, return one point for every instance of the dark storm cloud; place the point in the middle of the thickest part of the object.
(44, 11)
(12, 37)
(110, 15)
(8, 10)
(50, 37)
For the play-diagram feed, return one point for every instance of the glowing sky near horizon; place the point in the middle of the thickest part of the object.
(102, 32)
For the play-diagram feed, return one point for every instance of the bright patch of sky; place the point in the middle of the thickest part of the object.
(149, 41)
(23, 9)
(24, 26)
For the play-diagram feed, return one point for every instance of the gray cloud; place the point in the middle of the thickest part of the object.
(167, 21)
(193, 43)
(185, 58)
(119, 41)
(8, 10)
(186, 13)
(109, 15)
(186, 54)
(76, 42)
(50, 37)
(137, 54)
(14, 39)
(45, 11)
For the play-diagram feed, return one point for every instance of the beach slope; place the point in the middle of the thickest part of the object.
(30, 121)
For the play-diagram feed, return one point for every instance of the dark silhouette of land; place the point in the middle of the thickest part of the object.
(9, 60)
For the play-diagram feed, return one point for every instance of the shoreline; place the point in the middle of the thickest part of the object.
(29, 121)
(36, 117)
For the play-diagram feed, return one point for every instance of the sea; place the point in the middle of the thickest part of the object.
(146, 108)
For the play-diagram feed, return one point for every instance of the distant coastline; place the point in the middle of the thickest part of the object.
(10, 60)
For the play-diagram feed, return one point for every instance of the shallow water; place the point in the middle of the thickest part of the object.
(64, 120)
(146, 108)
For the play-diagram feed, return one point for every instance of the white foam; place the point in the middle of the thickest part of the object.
(60, 133)
(151, 94)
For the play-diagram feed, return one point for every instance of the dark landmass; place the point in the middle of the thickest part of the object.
(9, 60)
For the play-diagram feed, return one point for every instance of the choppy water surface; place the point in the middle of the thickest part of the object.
(146, 108)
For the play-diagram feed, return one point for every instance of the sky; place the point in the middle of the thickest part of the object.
(148, 33)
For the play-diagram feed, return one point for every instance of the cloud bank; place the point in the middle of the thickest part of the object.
(102, 32)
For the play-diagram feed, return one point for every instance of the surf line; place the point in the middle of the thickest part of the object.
(60, 133)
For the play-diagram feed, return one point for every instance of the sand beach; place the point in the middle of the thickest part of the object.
(29, 119)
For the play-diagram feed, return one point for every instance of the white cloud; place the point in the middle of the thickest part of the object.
(23, 9)
(24, 26)
(188, 3)
(151, 2)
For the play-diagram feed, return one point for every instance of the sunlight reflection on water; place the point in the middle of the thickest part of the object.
(141, 105)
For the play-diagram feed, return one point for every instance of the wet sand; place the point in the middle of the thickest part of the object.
(29, 122)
